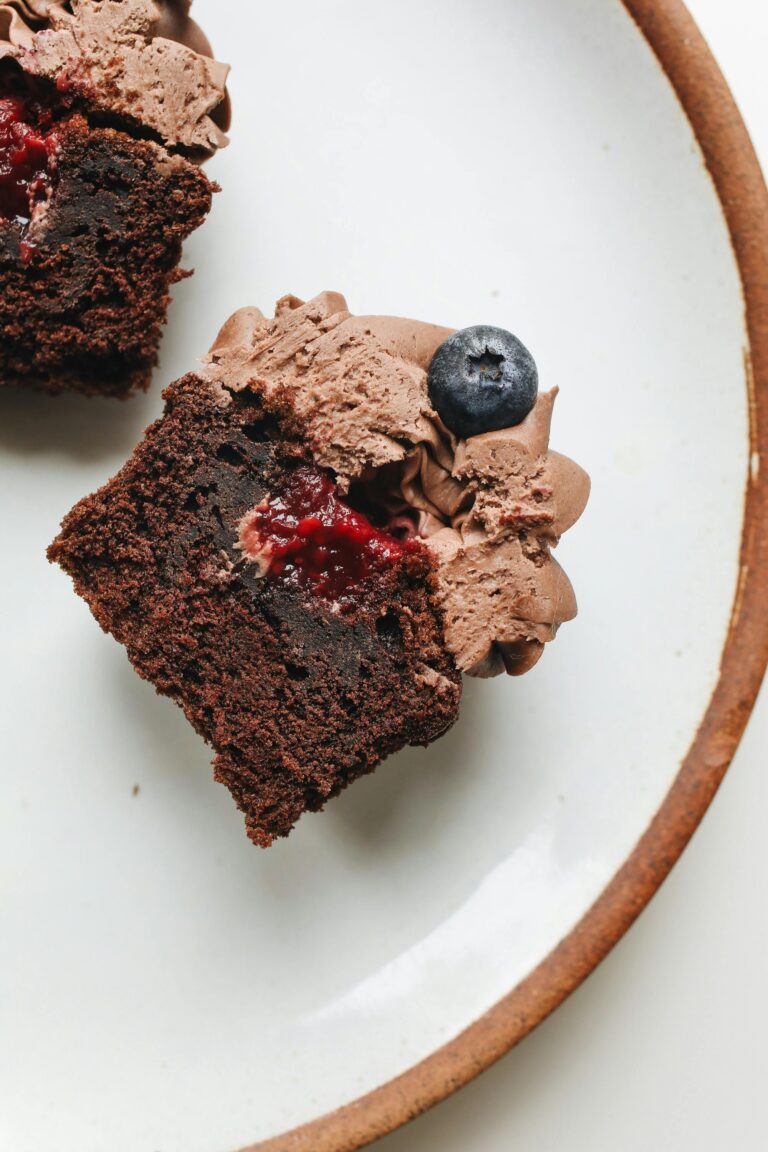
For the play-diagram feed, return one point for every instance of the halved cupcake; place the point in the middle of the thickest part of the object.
(331, 522)
(107, 109)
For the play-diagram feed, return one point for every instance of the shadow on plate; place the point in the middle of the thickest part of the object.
(418, 790)
(85, 429)
(421, 822)
(414, 795)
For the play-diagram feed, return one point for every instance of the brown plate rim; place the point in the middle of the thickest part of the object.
(735, 170)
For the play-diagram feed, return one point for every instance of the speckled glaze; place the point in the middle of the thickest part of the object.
(731, 160)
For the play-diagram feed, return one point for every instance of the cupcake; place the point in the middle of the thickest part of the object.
(334, 519)
(107, 110)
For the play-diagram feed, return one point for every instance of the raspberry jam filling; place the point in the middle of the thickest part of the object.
(307, 535)
(27, 147)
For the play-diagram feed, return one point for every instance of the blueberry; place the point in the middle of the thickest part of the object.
(482, 379)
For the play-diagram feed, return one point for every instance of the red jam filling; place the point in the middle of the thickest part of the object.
(309, 536)
(27, 146)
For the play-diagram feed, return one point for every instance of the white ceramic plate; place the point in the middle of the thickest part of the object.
(166, 987)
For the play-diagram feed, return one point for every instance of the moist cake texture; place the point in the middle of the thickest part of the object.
(299, 692)
(104, 121)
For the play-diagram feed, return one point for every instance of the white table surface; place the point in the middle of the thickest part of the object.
(663, 1049)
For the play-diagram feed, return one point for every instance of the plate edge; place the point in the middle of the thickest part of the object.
(735, 170)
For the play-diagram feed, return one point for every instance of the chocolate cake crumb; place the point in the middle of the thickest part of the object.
(297, 697)
(84, 289)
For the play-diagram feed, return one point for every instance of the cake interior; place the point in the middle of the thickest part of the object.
(92, 222)
(306, 533)
(301, 640)
(27, 152)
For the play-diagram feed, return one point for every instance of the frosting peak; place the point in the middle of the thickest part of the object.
(490, 508)
(145, 60)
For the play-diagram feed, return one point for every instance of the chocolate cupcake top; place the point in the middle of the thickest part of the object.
(145, 61)
(364, 394)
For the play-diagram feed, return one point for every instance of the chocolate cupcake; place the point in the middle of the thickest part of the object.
(331, 522)
(107, 110)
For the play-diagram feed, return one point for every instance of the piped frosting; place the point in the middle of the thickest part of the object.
(143, 60)
(490, 508)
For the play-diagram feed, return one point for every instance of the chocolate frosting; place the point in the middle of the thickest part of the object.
(490, 508)
(145, 60)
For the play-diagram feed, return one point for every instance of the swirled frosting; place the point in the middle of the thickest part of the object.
(490, 508)
(143, 60)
